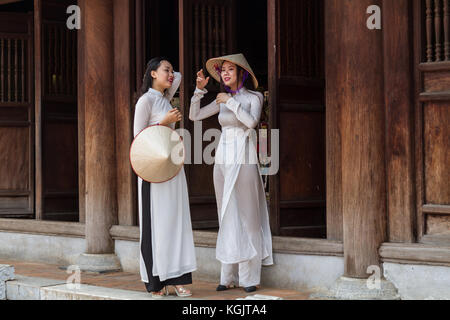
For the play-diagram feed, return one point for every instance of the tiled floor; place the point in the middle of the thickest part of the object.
(131, 281)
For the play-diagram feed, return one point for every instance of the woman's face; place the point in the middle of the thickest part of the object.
(229, 74)
(163, 76)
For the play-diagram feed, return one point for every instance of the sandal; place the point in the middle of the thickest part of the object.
(160, 294)
(182, 292)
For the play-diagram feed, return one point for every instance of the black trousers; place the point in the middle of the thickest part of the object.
(154, 284)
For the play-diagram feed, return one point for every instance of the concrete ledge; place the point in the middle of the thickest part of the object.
(41, 248)
(6, 274)
(28, 288)
(419, 282)
(205, 239)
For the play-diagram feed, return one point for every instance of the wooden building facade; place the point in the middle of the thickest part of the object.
(363, 117)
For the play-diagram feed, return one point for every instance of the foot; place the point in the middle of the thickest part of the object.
(224, 288)
(159, 294)
(182, 291)
(250, 289)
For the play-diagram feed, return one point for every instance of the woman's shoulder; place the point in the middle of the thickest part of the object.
(256, 95)
(145, 99)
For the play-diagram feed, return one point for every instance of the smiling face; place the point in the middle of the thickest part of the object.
(229, 74)
(163, 77)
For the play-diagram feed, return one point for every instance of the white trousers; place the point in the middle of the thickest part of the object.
(248, 190)
(245, 274)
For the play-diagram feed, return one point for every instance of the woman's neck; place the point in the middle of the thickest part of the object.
(234, 88)
(157, 88)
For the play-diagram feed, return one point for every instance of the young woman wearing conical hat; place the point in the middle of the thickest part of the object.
(167, 252)
(244, 241)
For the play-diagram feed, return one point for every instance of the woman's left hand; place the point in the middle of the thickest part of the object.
(222, 98)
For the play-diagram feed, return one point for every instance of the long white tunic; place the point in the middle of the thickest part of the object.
(244, 232)
(173, 248)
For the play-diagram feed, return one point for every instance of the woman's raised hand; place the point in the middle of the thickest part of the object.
(201, 81)
(172, 116)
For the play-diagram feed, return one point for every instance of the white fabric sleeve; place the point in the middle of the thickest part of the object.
(196, 113)
(175, 85)
(142, 114)
(249, 118)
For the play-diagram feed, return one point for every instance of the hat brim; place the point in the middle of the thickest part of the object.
(214, 63)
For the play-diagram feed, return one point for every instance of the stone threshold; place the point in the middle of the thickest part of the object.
(35, 288)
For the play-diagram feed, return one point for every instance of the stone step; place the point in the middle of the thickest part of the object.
(6, 274)
(28, 288)
(34, 288)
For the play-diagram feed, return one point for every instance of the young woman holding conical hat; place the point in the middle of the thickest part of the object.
(244, 241)
(167, 255)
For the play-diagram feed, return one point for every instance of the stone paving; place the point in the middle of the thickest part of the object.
(202, 290)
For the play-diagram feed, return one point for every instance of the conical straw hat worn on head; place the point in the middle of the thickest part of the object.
(214, 66)
(157, 154)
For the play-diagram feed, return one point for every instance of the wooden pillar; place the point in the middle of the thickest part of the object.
(360, 97)
(39, 196)
(100, 156)
(399, 99)
(126, 184)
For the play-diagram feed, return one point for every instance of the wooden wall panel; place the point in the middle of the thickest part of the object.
(437, 153)
(302, 171)
(438, 224)
(14, 159)
(432, 59)
(16, 116)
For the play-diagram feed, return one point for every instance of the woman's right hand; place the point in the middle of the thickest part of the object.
(201, 81)
(172, 116)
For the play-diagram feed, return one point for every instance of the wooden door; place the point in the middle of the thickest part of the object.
(297, 99)
(59, 124)
(207, 29)
(16, 115)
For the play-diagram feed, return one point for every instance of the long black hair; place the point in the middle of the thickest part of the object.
(152, 65)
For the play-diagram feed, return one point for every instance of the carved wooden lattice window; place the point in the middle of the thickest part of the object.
(13, 69)
(437, 24)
